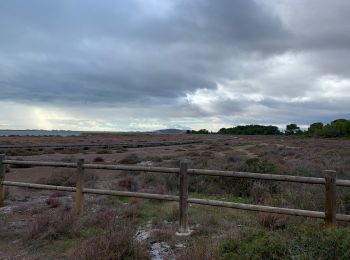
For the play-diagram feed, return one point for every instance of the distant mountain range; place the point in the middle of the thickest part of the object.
(170, 131)
(39, 133)
(72, 133)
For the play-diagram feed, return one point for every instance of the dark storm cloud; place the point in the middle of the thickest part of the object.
(175, 61)
(114, 51)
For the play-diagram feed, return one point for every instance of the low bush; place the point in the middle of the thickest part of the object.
(274, 221)
(21, 152)
(304, 242)
(117, 242)
(53, 202)
(104, 151)
(254, 245)
(258, 165)
(161, 234)
(51, 225)
(133, 212)
(68, 159)
(160, 188)
(65, 177)
(202, 250)
(98, 159)
(130, 159)
(129, 183)
(121, 150)
(103, 218)
(19, 166)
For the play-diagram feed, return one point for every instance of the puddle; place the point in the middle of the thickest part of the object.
(143, 233)
(145, 163)
(161, 251)
(6, 209)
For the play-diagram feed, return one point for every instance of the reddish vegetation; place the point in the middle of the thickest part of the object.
(47, 220)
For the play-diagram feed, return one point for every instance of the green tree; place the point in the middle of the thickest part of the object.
(292, 129)
(201, 131)
(251, 130)
(315, 129)
(337, 128)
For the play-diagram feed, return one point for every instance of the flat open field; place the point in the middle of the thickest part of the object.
(39, 224)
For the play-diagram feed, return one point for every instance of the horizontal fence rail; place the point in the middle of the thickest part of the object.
(107, 145)
(330, 182)
(216, 203)
(249, 175)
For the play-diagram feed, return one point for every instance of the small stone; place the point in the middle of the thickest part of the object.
(179, 245)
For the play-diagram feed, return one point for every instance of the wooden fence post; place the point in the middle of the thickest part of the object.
(79, 197)
(331, 198)
(2, 177)
(183, 204)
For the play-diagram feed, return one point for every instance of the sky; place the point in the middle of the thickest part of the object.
(137, 65)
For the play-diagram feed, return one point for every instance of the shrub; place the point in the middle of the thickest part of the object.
(160, 188)
(65, 177)
(151, 178)
(132, 212)
(121, 150)
(53, 202)
(67, 159)
(346, 202)
(57, 194)
(103, 218)
(303, 242)
(38, 226)
(90, 177)
(155, 158)
(99, 159)
(261, 166)
(117, 242)
(20, 152)
(251, 130)
(317, 243)
(255, 245)
(274, 221)
(202, 250)
(51, 226)
(161, 234)
(130, 159)
(129, 183)
(105, 151)
(20, 165)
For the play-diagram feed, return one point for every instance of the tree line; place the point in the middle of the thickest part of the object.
(336, 128)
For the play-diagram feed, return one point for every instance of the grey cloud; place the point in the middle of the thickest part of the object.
(133, 55)
(159, 56)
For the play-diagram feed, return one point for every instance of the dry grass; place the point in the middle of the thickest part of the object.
(104, 217)
(202, 250)
(64, 177)
(50, 225)
(258, 154)
(130, 159)
(98, 159)
(275, 221)
(129, 183)
(117, 242)
(53, 202)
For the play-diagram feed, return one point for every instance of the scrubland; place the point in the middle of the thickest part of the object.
(38, 224)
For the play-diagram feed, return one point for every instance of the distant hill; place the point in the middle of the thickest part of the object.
(30, 132)
(171, 131)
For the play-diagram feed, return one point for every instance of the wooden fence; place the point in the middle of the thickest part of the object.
(330, 182)
(99, 145)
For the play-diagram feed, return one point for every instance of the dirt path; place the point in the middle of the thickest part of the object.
(244, 149)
